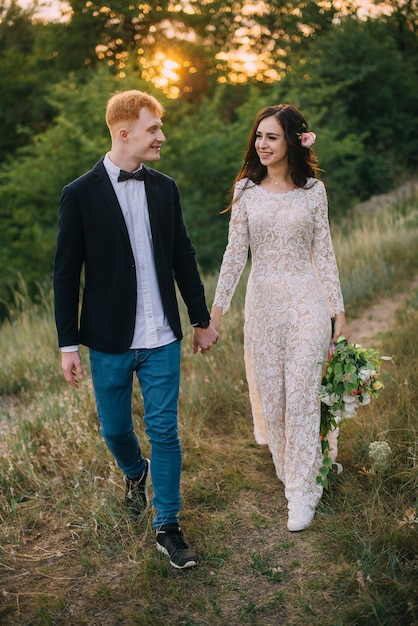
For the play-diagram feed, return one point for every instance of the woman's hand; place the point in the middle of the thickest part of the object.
(340, 327)
(216, 317)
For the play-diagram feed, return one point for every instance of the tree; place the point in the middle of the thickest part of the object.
(29, 194)
(16, 27)
(355, 80)
(214, 41)
(361, 86)
(22, 83)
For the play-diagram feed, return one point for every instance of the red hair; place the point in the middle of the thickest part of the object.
(126, 105)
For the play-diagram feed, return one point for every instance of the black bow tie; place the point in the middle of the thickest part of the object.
(124, 175)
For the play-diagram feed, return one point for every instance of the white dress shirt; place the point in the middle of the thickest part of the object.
(151, 325)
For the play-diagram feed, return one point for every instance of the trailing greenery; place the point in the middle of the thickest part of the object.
(63, 527)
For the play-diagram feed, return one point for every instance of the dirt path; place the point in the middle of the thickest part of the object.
(381, 316)
(378, 318)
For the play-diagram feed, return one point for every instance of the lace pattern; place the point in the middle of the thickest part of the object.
(293, 290)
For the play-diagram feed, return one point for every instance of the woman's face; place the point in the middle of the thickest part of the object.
(270, 143)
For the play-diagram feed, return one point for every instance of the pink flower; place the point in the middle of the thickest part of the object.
(307, 139)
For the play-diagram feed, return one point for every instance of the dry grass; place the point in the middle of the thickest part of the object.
(69, 554)
(377, 254)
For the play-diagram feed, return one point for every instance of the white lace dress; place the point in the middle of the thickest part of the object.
(293, 290)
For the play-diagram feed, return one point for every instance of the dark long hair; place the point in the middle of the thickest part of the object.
(302, 161)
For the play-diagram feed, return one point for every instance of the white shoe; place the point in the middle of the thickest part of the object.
(300, 518)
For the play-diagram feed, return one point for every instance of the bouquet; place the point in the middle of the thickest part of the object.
(350, 379)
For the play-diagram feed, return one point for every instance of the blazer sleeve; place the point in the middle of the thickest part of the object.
(186, 272)
(68, 262)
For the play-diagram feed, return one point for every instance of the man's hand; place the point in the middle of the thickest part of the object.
(204, 338)
(72, 367)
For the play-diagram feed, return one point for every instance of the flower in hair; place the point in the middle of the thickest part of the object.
(307, 139)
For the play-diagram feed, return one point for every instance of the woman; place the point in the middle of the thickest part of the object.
(280, 213)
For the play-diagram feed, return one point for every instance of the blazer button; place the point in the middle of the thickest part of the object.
(132, 266)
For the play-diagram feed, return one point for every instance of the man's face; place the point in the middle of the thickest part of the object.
(144, 137)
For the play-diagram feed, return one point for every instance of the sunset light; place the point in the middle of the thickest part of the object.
(161, 71)
(243, 64)
(171, 70)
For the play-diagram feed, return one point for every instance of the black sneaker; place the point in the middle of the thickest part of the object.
(170, 541)
(136, 496)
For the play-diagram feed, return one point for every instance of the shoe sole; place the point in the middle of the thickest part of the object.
(146, 487)
(296, 529)
(163, 550)
(296, 526)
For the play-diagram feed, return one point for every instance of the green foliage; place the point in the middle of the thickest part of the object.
(29, 194)
(362, 86)
(355, 80)
(24, 79)
(16, 28)
(204, 152)
(350, 378)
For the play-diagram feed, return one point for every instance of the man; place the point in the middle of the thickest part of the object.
(123, 222)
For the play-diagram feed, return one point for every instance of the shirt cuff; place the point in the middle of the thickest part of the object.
(69, 348)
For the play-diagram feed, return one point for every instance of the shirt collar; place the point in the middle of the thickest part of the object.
(112, 169)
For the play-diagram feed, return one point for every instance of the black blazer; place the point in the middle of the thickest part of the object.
(92, 232)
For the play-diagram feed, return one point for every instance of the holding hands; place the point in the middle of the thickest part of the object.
(204, 338)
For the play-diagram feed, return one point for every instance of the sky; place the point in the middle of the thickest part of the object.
(51, 9)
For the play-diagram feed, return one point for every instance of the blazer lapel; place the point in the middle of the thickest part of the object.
(109, 197)
(151, 193)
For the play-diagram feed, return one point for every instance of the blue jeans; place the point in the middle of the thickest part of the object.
(158, 372)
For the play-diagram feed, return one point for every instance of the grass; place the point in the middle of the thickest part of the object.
(377, 253)
(69, 554)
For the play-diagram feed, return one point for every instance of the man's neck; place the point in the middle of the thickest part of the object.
(124, 163)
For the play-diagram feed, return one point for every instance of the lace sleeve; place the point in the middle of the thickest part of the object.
(236, 252)
(323, 252)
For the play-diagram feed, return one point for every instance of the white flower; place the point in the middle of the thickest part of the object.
(330, 398)
(350, 378)
(365, 375)
(366, 398)
(349, 410)
(379, 454)
(349, 399)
